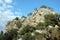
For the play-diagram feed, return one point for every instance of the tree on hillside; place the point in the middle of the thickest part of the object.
(36, 9)
(43, 6)
(51, 19)
(1, 35)
(40, 25)
(28, 36)
(50, 8)
(26, 33)
(23, 17)
(29, 14)
(10, 35)
(27, 29)
(17, 18)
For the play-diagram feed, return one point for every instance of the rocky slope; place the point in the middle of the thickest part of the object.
(33, 20)
(37, 17)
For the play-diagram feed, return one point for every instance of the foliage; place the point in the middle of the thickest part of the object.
(26, 32)
(1, 35)
(17, 18)
(27, 29)
(40, 25)
(29, 14)
(36, 9)
(28, 36)
(40, 36)
(10, 35)
(43, 6)
(50, 8)
(51, 19)
(23, 17)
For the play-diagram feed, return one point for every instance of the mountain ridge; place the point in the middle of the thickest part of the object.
(42, 23)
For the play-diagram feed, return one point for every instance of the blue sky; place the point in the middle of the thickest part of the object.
(9, 9)
(28, 5)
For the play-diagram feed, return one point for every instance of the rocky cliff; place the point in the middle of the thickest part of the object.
(40, 25)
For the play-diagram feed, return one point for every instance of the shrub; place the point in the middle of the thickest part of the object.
(43, 6)
(51, 19)
(27, 29)
(17, 18)
(40, 25)
(28, 36)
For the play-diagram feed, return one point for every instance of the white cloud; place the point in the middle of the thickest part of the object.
(8, 1)
(6, 13)
(1, 1)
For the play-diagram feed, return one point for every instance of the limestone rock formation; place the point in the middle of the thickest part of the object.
(36, 31)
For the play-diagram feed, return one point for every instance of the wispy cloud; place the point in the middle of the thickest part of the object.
(6, 12)
(8, 1)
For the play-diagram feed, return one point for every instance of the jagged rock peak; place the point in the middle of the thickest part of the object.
(33, 20)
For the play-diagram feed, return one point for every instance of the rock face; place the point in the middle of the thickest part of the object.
(37, 16)
(13, 25)
(33, 20)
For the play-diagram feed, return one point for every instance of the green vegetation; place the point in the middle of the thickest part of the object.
(51, 19)
(28, 36)
(27, 29)
(17, 18)
(43, 6)
(1, 35)
(40, 26)
(23, 17)
(30, 14)
(36, 9)
(10, 35)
